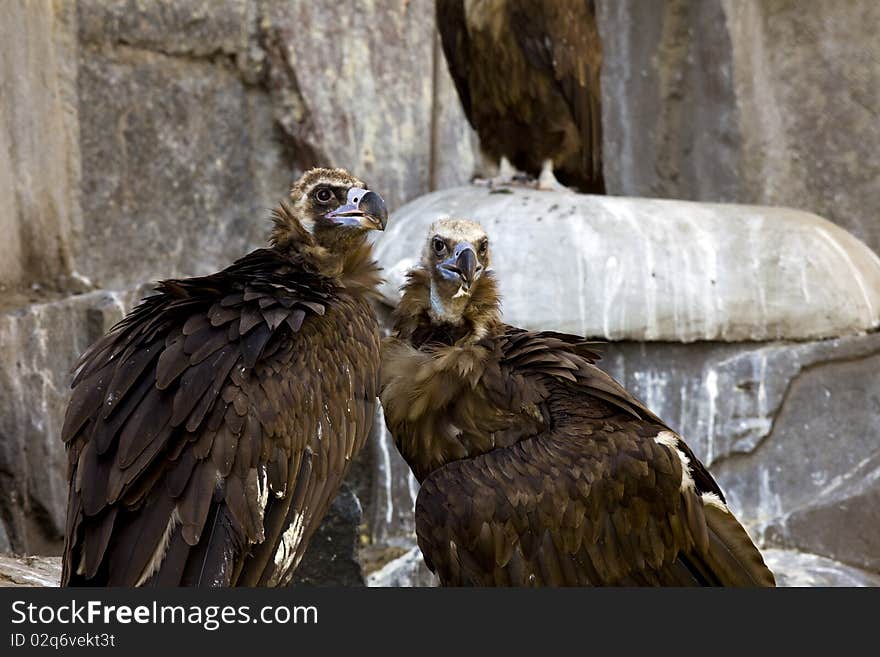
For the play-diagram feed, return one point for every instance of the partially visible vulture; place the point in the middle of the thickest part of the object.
(527, 73)
(536, 467)
(209, 430)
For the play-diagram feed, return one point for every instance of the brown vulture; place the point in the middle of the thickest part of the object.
(536, 467)
(209, 430)
(527, 73)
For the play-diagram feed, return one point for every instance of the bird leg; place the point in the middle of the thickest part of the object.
(547, 181)
(507, 175)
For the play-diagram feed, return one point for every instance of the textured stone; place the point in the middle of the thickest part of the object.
(355, 87)
(813, 483)
(185, 27)
(793, 569)
(30, 571)
(39, 345)
(407, 570)
(638, 269)
(331, 558)
(39, 160)
(183, 182)
(808, 89)
(799, 569)
(754, 101)
(394, 491)
(670, 122)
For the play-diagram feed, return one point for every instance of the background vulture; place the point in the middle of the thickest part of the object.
(208, 432)
(527, 73)
(536, 467)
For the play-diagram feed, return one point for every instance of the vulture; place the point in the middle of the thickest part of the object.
(527, 73)
(536, 468)
(209, 430)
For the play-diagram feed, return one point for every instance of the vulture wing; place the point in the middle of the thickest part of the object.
(452, 25)
(600, 493)
(208, 432)
(561, 39)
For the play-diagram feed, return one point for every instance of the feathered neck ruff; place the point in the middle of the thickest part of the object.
(413, 321)
(344, 255)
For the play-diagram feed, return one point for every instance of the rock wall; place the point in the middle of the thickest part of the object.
(774, 102)
(39, 166)
(149, 139)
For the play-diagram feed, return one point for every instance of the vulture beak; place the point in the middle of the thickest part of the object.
(362, 208)
(463, 265)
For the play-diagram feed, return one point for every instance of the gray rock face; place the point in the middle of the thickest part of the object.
(670, 121)
(187, 176)
(39, 181)
(648, 269)
(331, 558)
(184, 27)
(357, 88)
(798, 569)
(407, 570)
(394, 491)
(30, 571)
(753, 102)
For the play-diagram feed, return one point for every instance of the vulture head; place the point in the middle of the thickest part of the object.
(456, 261)
(328, 208)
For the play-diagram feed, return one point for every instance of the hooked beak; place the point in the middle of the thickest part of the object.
(464, 264)
(362, 208)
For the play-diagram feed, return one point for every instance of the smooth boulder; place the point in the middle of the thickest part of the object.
(656, 270)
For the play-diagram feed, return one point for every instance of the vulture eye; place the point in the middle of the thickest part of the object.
(439, 246)
(323, 195)
(484, 246)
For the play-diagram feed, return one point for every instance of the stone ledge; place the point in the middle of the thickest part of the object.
(655, 270)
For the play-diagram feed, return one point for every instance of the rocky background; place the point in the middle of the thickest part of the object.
(142, 139)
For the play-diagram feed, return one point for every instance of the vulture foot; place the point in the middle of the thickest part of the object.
(507, 176)
(547, 181)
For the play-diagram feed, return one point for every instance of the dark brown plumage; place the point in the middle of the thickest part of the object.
(536, 467)
(527, 73)
(209, 431)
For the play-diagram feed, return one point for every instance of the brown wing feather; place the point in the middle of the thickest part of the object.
(577, 490)
(527, 73)
(452, 25)
(187, 425)
(562, 39)
(582, 509)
